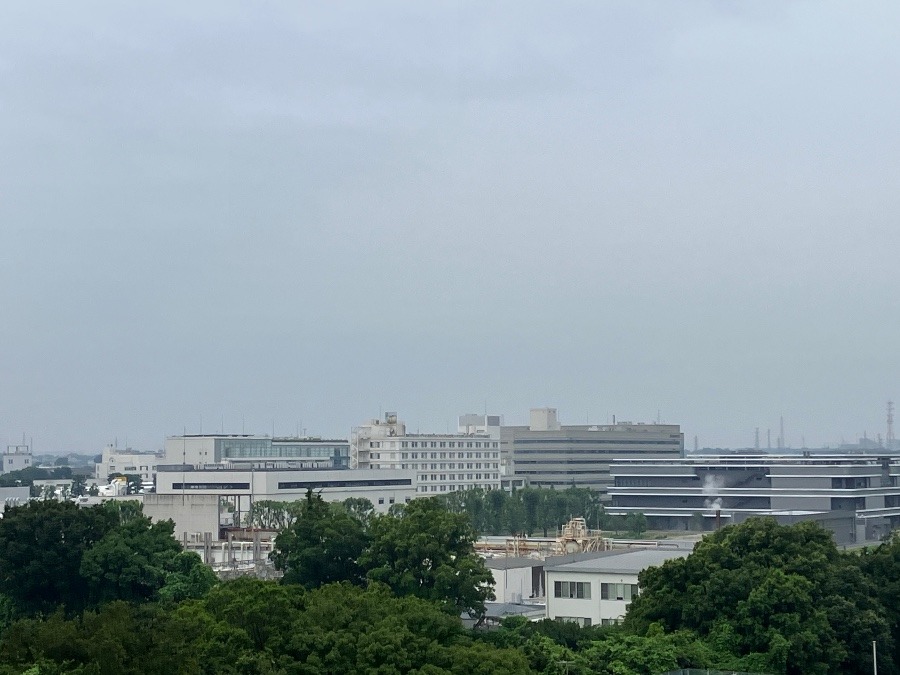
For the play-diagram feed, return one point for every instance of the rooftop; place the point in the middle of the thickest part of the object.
(622, 562)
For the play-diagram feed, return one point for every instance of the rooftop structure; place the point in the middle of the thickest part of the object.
(250, 448)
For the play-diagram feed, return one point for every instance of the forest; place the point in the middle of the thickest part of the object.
(105, 590)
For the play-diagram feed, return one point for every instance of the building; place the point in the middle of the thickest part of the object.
(248, 448)
(517, 579)
(549, 454)
(695, 492)
(13, 496)
(125, 461)
(599, 589)
(240, 485)
(441, 462)
(16, 458)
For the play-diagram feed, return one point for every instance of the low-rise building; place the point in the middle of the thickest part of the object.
(442, 463)
(240, 485)
(13, 496)
(598, 590)
(125, 461)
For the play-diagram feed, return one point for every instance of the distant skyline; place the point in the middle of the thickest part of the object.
(310, 213)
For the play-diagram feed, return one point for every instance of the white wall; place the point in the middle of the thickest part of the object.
(594, 608)
(512, 585)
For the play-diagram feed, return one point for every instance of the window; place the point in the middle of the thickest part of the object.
(618, 592)
(580, 620)
(381, 500)
(572, 589)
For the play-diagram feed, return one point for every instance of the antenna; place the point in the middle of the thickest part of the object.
(769, 439)
(756, 440)
(889, 439)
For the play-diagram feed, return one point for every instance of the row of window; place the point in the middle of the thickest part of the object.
(451, 488)
(436, 455)
(436, 444)
(572, 589)
(460, 476)
(452, 465)
(581, 590)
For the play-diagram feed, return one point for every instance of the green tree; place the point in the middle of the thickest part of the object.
(784, 597)
(41, 549)
(322, 546)
(360, 508)
(636, 523)
(429, 553)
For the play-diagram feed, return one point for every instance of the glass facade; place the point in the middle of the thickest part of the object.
(266, 448)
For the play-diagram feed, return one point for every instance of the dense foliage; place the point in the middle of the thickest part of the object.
(105, 590)
(538, 511)
(55, 555)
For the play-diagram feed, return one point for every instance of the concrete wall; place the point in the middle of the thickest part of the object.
(193, 514)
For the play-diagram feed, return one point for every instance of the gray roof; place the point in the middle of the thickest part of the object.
(512, 563)
(622, 562)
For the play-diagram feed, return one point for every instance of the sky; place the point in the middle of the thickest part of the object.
(296, 216)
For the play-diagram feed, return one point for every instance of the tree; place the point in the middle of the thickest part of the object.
(41, 547)
(321, 546)
(132, 562)
(360, 508)
(781, 598)
(429, 553)
(636, 523)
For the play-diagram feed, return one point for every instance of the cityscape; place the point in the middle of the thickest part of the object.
(454, 338)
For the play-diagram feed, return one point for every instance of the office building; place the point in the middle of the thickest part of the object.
(697, 492)
(442, 463)
(549, 454)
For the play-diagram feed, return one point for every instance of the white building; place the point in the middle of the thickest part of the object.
(241, 485)
(442, 462)
(599, 590)
(115, 460)
(517, 579)
(16, 458)
(13, 496)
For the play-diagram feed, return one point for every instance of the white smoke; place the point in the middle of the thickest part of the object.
(711, 486)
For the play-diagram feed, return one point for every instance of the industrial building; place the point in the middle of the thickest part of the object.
(858, 494)
(549, 454)
(441, 462)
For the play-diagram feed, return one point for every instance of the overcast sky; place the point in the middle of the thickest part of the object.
(307, 213)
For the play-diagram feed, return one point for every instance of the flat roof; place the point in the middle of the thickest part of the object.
(623, 562)
(512, 563)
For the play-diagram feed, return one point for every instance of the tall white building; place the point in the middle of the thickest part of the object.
(443, 462)
(16, 458)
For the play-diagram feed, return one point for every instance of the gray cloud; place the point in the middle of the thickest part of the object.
(303, 213)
